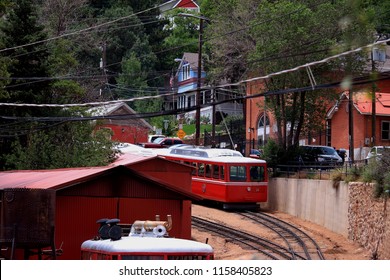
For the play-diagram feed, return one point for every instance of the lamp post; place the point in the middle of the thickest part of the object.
(199, 78)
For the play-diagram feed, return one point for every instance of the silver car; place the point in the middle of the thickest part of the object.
(376, 152)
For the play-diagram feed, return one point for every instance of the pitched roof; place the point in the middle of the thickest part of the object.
(57, 179)
(362, 101)
(172, 4)
(191, 59)
(110, 109)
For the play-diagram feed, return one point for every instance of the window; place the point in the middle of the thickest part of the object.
(142, 257)
(208, 170)
(188, 257)
(186, 71)
(237, 173)
(329, 132)
(195, 170)
(257, 173)
(385, 130)
(201, 169)
(216, 172)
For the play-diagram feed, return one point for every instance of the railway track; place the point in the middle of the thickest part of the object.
(288, 245)
(300, 244)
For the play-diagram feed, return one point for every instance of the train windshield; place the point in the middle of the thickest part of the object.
(238, 173)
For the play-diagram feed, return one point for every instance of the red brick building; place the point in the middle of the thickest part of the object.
(336, 124)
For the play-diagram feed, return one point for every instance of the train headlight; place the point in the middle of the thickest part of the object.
(248, 189)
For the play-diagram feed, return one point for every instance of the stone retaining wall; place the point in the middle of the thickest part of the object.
(347, 209)
(369, 220)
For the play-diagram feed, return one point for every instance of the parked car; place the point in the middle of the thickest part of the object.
(162, 143)
(376, 152)
(254, 153)
(151, 138)
(319, 155)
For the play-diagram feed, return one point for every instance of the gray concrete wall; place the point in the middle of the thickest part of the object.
(348, 209)
(317, 201)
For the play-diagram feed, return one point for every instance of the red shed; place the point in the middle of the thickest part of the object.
(136, 187)
(123, 123)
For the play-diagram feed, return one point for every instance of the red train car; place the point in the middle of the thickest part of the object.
(223, 176)
(147, 240)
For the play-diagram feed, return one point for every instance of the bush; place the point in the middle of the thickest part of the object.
(378, 172)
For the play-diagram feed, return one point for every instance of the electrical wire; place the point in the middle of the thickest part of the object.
(188, 109)
(202, 88)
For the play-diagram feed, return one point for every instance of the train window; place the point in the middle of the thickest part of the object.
(142, 257)
(208, 170)
(195, 170)
(237, 173)
(87, 256)
(257, 173)
(216, 172)
(222, 172)
(189, 257)
(201, 169)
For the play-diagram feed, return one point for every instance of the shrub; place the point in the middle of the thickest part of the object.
(378, 172)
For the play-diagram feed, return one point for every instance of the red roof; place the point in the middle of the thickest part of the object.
(59, 178)
(363, 102)
(186, 4)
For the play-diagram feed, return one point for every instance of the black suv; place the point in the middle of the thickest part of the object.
(319, 155)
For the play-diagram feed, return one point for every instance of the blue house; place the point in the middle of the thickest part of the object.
(185, 84)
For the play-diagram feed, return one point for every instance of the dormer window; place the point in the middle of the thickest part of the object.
(186, 71)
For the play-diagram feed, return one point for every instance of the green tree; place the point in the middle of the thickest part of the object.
(183, 37)
(307, 33)
(69, 145)
(227, 38)
(382, 16)
(270, 36)
(22, 28)
(32, 64)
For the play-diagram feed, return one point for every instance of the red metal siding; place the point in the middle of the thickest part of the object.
(76, 221)
(132, 209)
(177, 175)
(137, 188)
(128, 134)
(76, 218)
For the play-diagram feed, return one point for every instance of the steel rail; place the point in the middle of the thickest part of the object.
(261, 245)
(291, 234)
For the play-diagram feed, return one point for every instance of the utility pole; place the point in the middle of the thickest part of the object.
(350, 120)
(373, 109)
(213, 93)
(199, 84)
(199, 79)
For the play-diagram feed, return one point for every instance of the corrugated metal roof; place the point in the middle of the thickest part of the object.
(59, 178)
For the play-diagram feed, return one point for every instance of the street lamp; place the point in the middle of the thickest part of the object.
(199, 79)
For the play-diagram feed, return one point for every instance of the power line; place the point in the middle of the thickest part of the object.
(187, 109)
(203, 88)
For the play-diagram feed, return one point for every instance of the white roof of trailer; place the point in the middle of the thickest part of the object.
(208, 154)
(147, 244)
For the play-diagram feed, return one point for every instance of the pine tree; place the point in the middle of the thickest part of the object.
(28, 60)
